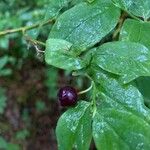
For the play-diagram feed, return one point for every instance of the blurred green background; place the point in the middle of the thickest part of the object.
(28, 87)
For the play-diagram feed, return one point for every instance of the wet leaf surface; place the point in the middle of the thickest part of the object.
(74, 127)
(86, 24)
(120, 57)
(136, 7)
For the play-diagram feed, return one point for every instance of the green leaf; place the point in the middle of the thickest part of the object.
(11, 146)
(4, 43)
(74, 128)
(5, 72)
(136, 31)
(2, 100)
(143, 84)
(120, 129)
(121, 121)
(86, 24)
(127, 59)
(51, 77)
(136, 7)
(3, 143)
(54, 8)
(40, 105)
(126, 95)
(57, 53)
(22, 134)
(3, 61)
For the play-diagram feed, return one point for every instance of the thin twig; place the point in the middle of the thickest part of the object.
(25, 28)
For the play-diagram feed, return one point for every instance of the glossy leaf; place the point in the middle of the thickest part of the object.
(121, 121)
(127, 59)
(57, 53)
(74, 128)
(136, 31)
(120, 129)
(86, 24)
(136, 7)
(53, 10)
(143, 84)
(54, 7)
(127, 95)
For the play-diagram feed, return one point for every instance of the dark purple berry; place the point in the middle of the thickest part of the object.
(67, 96)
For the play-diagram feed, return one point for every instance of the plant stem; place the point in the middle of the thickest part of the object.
(120, 23)
(25, 28)
(94, 99)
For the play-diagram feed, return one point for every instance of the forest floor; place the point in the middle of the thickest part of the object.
(23, 89)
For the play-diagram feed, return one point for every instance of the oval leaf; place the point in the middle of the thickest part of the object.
(57, 54)
(54, 7)
(127, 59)
(120, 129)
(86, 24)
(136, 7)
(125, 95)
(121, 121)
(143, 84)
(74, 128)
(136, 31)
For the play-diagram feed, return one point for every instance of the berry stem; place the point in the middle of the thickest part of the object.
(94, 91)
(85, 91)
